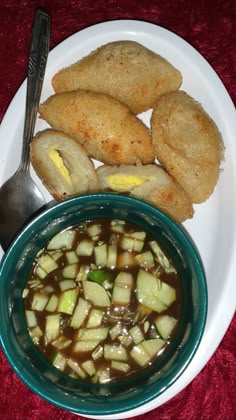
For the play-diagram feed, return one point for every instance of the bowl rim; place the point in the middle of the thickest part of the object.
(114, 198)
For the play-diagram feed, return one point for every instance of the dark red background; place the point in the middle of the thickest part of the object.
(210, 26)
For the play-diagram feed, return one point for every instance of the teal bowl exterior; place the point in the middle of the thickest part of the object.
(48, 382)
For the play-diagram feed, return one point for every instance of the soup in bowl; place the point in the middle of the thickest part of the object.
(103, 300)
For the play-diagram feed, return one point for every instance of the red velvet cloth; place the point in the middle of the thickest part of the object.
(210, 26)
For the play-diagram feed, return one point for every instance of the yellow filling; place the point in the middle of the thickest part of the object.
(124, 182)
(58, 162)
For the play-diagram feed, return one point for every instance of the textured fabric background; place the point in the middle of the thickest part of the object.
(210, 26)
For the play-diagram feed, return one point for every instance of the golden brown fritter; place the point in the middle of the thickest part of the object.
(187, 143)
(125, 70)
(62, 164)
(106, 128)
(149, 183)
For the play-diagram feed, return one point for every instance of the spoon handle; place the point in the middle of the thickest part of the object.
(39, 49)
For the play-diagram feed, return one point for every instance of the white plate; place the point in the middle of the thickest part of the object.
(213, 226)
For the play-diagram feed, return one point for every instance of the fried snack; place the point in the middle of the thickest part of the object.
(125, 70)
(106, 128)
(187, 144)
(149, 183)
(62, 164)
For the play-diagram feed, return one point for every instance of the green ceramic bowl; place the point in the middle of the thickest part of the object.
(50, 383)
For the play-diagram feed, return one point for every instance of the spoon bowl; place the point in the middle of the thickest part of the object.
(20, 198)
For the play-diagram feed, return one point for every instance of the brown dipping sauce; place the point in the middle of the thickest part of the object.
(121, 326)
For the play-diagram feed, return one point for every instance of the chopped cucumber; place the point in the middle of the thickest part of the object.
(95, 318)
(59, 362)
(52, 303)
(52, 328)
(40, 272)
(136, 334)
(85, 248)
(31, 319)
(165, 325)
(118, 226)
(115, 352)
(123, 367)
(89, 367)
(94, 230)
(67, 301)
(126, 259)
(144, 352)
(153, 293)
(83, 273)
(122, 288)
(166, 293)
(112, 255)
(72, 257)
(70, 271)
(39, 301)
(56, 255)
(100, 252)
(61, 342)
(130, 243)
(63, 240)
(66, 284)
(85, 346)
(88, 334)
(76, 368)
(36, 332)
(96, 294)
(146, 259)
(80, 313)
(125, 340)
(115, 331)
(103, 375)
(47, 263)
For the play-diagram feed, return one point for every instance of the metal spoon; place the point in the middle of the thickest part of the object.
(20, 198)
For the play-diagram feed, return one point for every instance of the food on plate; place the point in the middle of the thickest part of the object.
(62, 164)
(125, 70)
(187, 143)
(149, 183)
(104, 126)
(103, 300)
